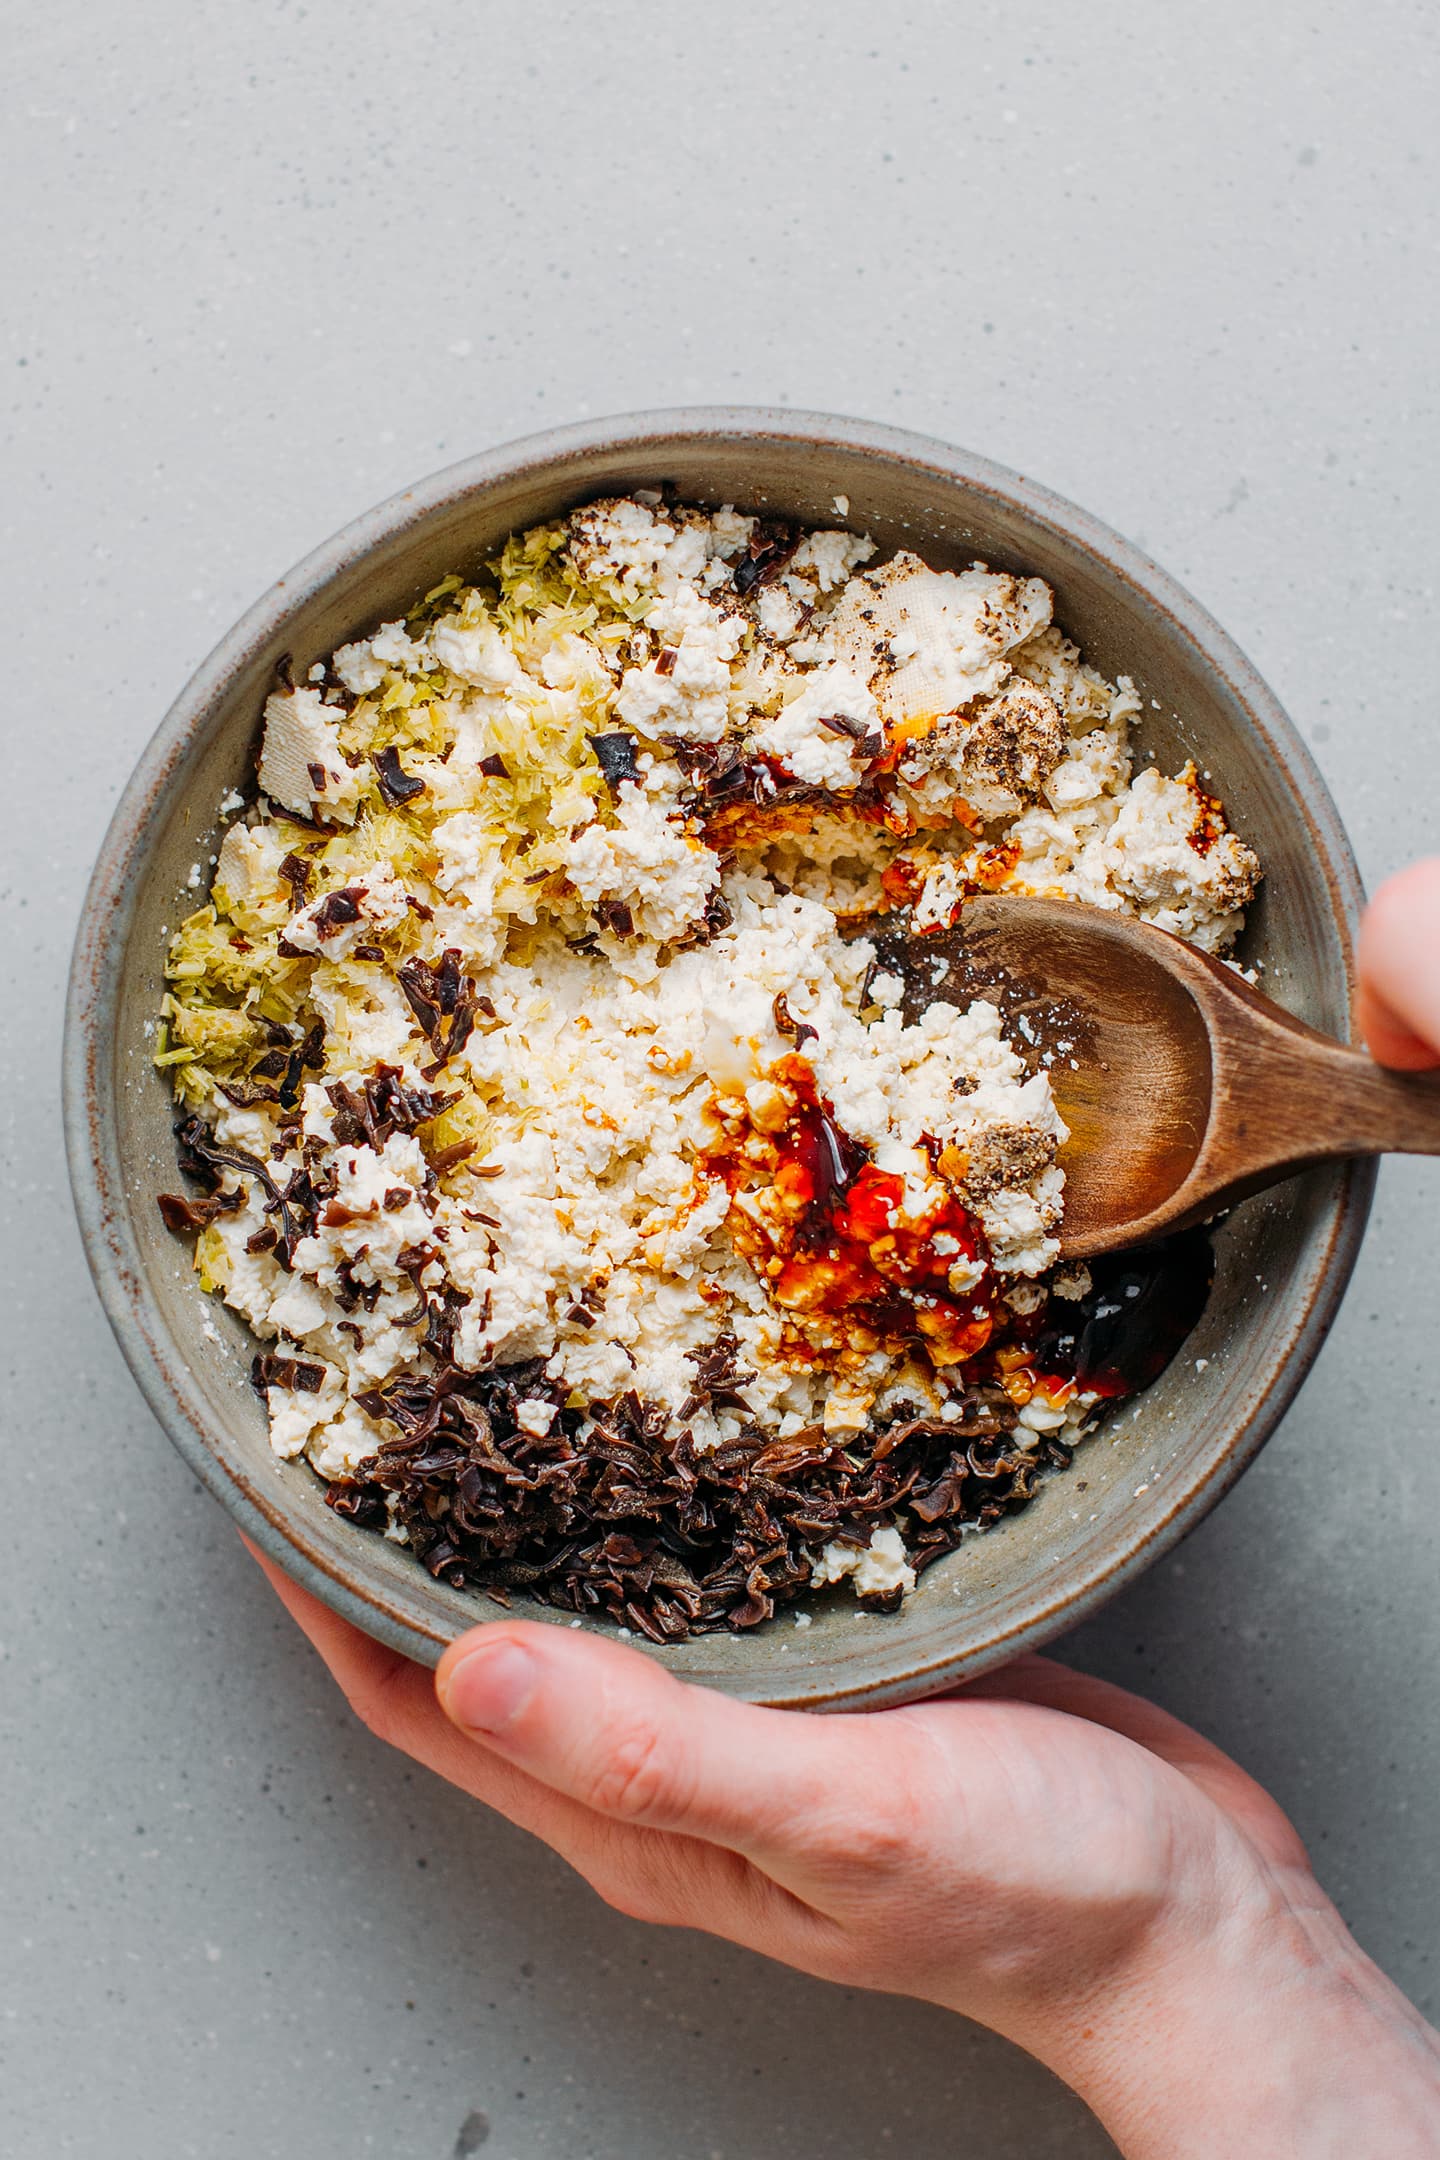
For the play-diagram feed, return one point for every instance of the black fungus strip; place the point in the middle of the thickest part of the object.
(616, 755)
(296, 873)
(267, 1371)
(416, 979)
(446, 1158)
(718, 915)
(771, 547)
(337, 909)
(195, 1145)
(614, 916)
(437, 995)
(396, 785)
(386, 1104)
(244, 1093)
(799, 1031)
(182, 1214)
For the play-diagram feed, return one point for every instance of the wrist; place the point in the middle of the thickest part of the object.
(1268, 2030)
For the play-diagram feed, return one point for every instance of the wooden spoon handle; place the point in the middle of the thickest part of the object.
(1285, 1096)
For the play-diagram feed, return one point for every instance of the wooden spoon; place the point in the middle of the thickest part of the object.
(1184, 1089)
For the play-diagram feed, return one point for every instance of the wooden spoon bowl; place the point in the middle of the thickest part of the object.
(1183, 1087)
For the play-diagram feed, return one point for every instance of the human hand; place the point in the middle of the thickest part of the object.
(1043, 1852)
(1399, 964)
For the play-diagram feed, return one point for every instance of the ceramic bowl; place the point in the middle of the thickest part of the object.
(1282, 1260)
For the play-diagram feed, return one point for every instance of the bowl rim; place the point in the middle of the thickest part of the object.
(111, 898)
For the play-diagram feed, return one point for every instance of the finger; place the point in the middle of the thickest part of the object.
(1398, 956)
(613, 1730)
(1059, 1687)
(669, 1881)
(395, 1699)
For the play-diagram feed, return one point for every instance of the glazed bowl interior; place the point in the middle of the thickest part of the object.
(1282, 1260)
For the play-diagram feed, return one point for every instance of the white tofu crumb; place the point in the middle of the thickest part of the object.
(301, 765)
(646, 862)
(778, 612)
(363, 666)
(963, 627)
(830, 557)
(847, 1410)
(535, 1416)
(875, 1569)
(380, 902)
(813, 752)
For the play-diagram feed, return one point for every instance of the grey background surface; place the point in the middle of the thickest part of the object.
(270, 263)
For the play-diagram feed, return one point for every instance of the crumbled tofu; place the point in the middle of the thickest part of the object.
(847, 1410)
(378, 904)
(476, 654)
(829, 733)
(619, 545)
(876, 1570)
(778, 612)
(661, 876)
(1007, 750)
(1164, 857)
(582, 1097)
(301, 765)
(363, 666)
(535, 1415)
(954, 633)
(830, 557)
(685, 690)
(248, 872)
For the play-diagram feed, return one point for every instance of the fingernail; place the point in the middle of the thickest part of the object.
(490, 1687)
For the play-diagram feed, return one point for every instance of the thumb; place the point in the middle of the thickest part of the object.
(612, 1729)
(1399, 963)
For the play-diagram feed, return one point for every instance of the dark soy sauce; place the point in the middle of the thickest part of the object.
(1139, 1309)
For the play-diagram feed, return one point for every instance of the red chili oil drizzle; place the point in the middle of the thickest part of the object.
(1209, 820)
(903, 878)
(837, 1250)
(1123, 1333)
(845, 1253)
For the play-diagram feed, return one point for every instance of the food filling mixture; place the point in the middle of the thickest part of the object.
(621, 1225)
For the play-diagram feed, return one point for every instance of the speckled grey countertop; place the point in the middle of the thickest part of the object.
(272, 262)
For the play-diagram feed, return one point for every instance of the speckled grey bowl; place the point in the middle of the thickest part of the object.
(1283, 1260)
